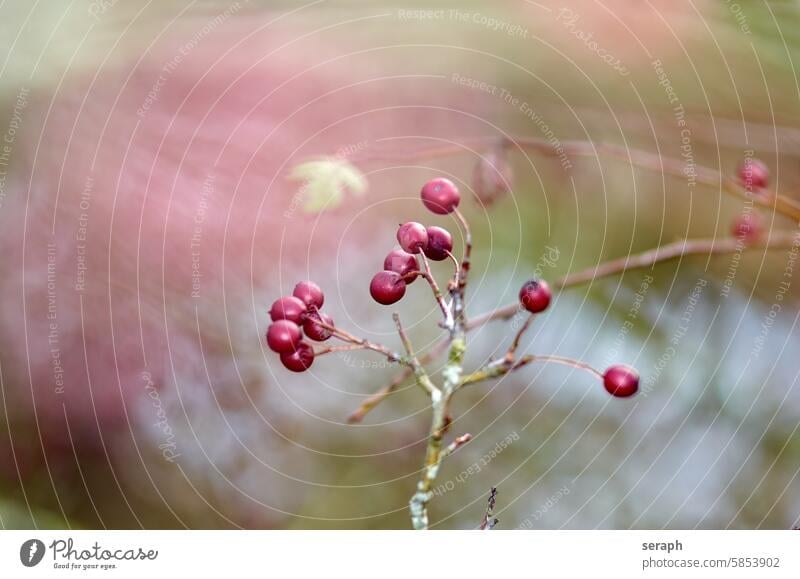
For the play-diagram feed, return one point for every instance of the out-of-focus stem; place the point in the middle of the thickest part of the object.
(649, 258)
(643, 159)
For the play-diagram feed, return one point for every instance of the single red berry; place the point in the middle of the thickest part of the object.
(535, 295)
(314, 331)
(309, 293)
(440, 196)
(301, 359)
(288, 308)
(621, 381)
(747, 227)
(412, 237)
(387, 288)
(753, 174)
(283, 336)
(401, 262)
(440, 243)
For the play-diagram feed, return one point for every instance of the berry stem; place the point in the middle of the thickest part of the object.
(334, 349)
(456, 265)
(502, 367)
(512, 349)
(363, 343)
(465, 261)
(437, 293)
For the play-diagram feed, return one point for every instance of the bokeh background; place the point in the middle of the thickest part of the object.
(148, 219)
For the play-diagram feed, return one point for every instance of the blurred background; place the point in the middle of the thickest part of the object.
(148, 219)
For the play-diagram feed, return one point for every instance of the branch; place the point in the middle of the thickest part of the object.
(678, 249)
(643, 159)
(363, 343)
(639, 261)
(400, 377)
(512, 350)
(488, 523)
(440, 404)
(419, 372)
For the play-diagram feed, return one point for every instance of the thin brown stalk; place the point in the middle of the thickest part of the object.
(675, 250)
(713, 178)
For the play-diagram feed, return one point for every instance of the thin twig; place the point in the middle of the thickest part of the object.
(437, 293)
(488, 522)
(512, 350)
(465, 261)
(455, 445)
(400, 377)
(364, 343)
(334, 349)
(456, 265)
(502, 367)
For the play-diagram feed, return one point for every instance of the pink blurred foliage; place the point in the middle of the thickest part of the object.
(232, 117)
(634, 33)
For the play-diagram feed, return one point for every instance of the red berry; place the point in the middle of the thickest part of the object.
(314, 331)
(309, 293)
(440, 243)
(387, 288)
(300, 360)
(288, 308)
(535, 295)
(283, 336)
(440, 196)
(621, 381)
(747, 227)
(753, 174)
(401, 262)
(412, 236)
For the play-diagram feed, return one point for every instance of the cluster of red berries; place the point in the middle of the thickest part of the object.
(298, 314)
(400, 267)
(292, 316)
